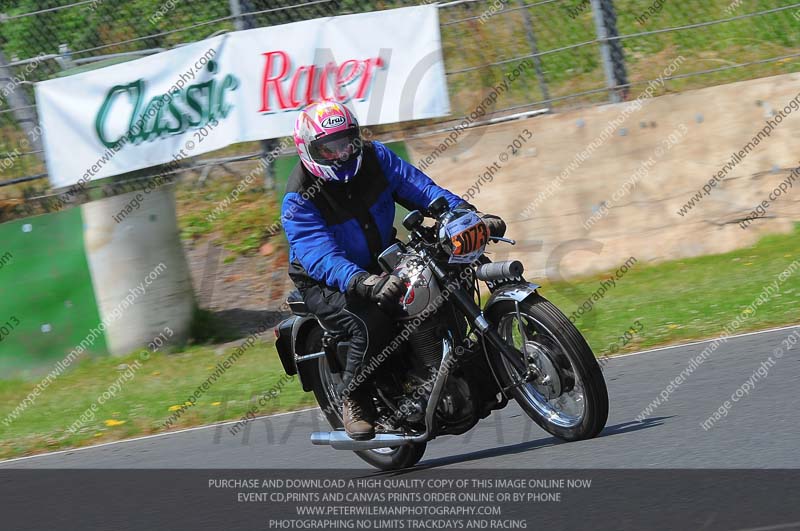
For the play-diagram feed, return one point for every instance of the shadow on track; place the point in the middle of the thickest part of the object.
(511, 449)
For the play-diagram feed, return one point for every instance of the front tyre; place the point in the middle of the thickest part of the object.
(569, 399)
(325, 385)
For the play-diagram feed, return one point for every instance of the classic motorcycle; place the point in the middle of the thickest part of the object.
(452, 362)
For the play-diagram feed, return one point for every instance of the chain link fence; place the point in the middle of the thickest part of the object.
(574, 52)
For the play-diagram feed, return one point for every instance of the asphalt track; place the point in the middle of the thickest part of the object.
(761, 429)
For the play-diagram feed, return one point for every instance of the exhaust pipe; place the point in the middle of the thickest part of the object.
(340, 441)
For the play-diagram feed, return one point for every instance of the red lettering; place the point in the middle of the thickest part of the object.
(366, 79)
(309, 71)
(323, 81)
(274, 81)
(278, 64)
(343, 80)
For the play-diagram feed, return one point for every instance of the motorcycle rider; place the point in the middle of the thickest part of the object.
(338, 215)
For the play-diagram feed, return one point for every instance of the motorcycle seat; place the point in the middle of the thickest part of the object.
(297, 305)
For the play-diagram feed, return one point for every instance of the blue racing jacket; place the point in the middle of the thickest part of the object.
(337, 230)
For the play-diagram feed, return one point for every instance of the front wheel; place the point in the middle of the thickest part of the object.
(325, 385)
(568, 398)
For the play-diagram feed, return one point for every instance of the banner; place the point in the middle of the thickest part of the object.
(241, 86)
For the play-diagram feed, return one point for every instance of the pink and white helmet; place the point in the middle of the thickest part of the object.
(328, 141)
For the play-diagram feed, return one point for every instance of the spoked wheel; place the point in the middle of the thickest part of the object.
(326, 385)
(568, 397)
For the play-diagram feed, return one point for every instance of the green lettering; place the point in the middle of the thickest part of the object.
(222, 108)
(178, 115)
(166, 107)
(166, 114)
(148, 122)
(134, 91)
(194, 105)
(134, 127)
(202, 107)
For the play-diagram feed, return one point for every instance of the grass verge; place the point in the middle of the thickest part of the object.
(681, 300)
(144, 402)
(672, 302)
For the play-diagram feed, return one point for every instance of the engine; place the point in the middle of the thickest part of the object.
(428, 317)
(423, 294)
(456, 410)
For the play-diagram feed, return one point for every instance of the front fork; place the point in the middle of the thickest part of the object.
(467, 305)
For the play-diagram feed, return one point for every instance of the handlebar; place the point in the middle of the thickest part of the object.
(499, 270)
(501, 239)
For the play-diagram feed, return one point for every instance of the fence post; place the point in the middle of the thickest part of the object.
(537, 61)
(21, 108)
(239, 22)
(240, 10)
(605, 20)
(64, 58)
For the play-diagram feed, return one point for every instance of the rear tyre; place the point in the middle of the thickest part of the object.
(325, 385)
(573, 403)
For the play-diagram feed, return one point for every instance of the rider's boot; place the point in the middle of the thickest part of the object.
(358, 412)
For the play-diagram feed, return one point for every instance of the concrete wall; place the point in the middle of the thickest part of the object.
(47, 306)
(139, 271)
(644, 221)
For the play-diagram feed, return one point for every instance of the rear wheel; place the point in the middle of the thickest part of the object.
(325, 385)
(569, 399)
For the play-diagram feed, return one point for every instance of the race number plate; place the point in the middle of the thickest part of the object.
(468, 235)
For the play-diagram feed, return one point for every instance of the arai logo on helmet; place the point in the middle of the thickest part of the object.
(332, 121)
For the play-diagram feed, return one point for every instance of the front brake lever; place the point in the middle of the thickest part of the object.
(501, 239)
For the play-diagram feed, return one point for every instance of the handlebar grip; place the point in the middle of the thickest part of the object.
(499, 270)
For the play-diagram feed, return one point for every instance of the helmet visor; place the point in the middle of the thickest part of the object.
(336, 148)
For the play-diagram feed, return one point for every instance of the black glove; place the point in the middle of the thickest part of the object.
(463, 205)
(383, 289)
(497, 227)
